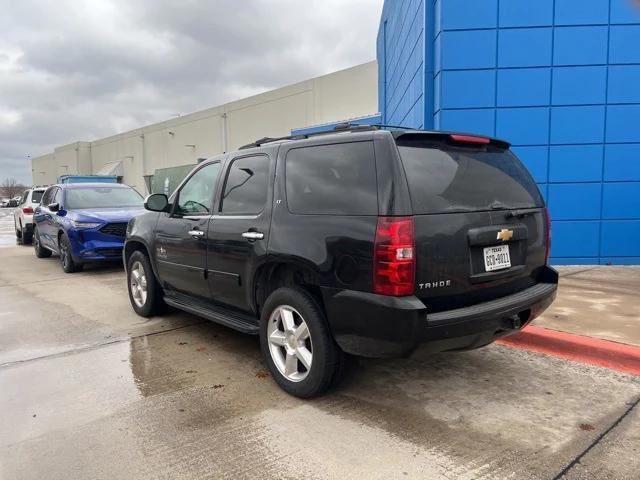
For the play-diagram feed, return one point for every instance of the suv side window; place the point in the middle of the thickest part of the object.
(196, 196)
(25, 196)
(245, 192)
(338, 179)
(57, 198)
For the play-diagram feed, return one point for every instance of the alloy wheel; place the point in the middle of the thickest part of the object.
(138, 284)
(290, 343)
(64, 254)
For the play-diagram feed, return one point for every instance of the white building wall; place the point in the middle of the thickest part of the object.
(341, 95)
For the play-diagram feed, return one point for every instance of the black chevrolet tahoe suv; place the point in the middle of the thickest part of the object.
(364, 240)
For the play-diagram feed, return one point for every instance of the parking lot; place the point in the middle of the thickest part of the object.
(91, 390)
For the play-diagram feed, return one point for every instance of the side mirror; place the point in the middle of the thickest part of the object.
(54, 207)
(157, 202)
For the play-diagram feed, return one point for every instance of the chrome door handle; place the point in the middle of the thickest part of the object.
(196, 233)
(253, 235)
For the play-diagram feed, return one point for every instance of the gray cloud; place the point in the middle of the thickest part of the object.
(72, 70)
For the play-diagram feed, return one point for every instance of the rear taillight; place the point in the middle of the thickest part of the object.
(547, 219)
(27, 210)
(394, 260)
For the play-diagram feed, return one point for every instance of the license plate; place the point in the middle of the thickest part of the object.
(496, 258)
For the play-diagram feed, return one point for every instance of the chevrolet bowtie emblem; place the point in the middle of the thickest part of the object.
(504, 235)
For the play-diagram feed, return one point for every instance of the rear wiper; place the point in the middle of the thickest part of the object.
(498, 206)
(519, 213)
(511, 213)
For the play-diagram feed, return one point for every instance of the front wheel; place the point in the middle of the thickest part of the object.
(145, 293)
(41, 252)
(297, 345)
(69, 265)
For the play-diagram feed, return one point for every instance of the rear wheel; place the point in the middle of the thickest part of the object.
(69, 265)
(19, 237)
(297, 345)
(27, 236)
(145, 293)
(41, 252)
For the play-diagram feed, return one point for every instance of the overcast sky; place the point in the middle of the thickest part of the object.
(81, 70)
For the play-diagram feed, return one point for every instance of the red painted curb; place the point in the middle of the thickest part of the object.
(594, 351)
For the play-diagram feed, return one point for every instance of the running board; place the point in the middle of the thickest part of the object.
(224, 316)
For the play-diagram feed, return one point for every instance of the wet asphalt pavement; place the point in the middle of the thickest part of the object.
(90, 390)
(7, 229)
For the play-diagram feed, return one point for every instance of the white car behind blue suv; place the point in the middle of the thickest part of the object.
(23, 213)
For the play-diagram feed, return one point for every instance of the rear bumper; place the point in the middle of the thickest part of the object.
(373, 325)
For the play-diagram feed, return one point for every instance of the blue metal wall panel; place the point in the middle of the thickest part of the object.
(623, 44)
(579, 124)
(523, 126)
(622, 162)
(401, 52)
(579, 85)
(467, 49)
(560, 79)
(621, 200)
(525, 47)
(581, 12)
(467, 89)
(475, 14)
(575, 163)
(524, 13)
(580, 45)
(511, 93)
(576, 239)
(624, 82)
(620, 238)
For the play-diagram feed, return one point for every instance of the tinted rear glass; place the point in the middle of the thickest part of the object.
(446, 178)
(36, 196)
(102, 197)
(337, 179)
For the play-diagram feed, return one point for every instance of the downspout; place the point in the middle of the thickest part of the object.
(144, 162)
(225, 139)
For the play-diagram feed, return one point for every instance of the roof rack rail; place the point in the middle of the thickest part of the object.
(263, 140)
(341, 127)
(381, 125)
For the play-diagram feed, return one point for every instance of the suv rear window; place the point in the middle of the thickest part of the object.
(446, 178)
(36, 196)
(338, 179)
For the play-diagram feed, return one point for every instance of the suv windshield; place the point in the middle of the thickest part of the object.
(36, 196)
(102, 197)
(446, 178)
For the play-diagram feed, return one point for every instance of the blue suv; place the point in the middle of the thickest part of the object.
(84, 222)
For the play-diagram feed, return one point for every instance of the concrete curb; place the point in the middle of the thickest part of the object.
(594, 351)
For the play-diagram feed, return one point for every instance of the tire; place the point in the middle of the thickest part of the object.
(19, 236)
(283, 344)
(145, 293)
(27, 237)
(69, 265)
(41, 252)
